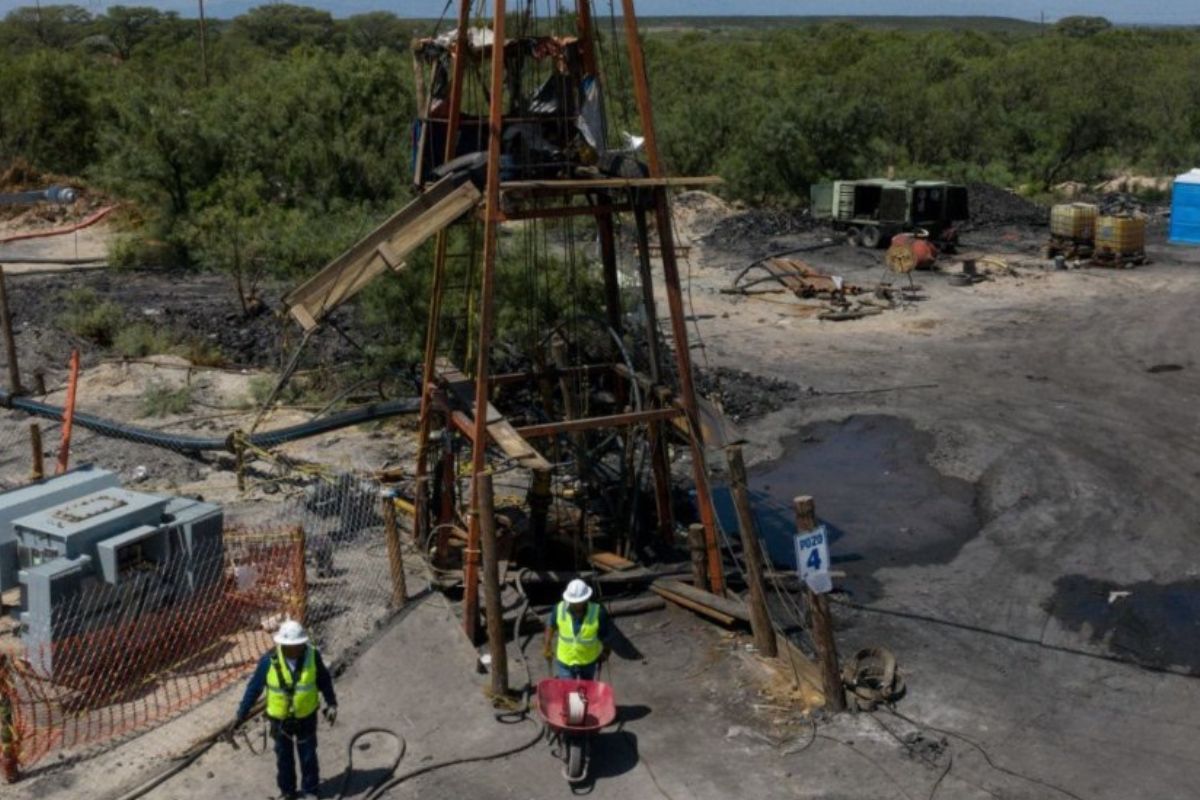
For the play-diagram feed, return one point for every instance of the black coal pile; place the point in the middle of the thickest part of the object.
(992, 206)
(759, 223)
(1116, 204)
(743, 395)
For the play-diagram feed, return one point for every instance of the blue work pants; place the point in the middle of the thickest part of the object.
(585, 672)
(292, 738)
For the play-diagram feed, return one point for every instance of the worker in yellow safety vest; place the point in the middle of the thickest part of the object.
(583, 631)
(295, 679)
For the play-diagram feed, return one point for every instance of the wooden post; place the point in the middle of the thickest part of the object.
(660, 462)
(822, 620)
(64, 451)
(760, 619)
(683, 359)
(487, 313)
(35, 442)
(300, 598)
(699, 555)
(395, 553)
(10, 343)
(491, 584)
(437, 290)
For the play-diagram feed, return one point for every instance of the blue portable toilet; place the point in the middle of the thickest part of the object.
(1185, 209)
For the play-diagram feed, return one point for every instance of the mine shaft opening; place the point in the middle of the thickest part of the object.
(595, 482)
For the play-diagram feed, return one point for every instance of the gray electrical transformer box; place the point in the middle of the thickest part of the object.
(89, 554)
(44, 494)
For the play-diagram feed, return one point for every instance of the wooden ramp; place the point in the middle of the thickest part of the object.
(384, 248)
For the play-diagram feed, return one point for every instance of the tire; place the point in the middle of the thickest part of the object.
(854, 237)
(871, 237)
(574, 759)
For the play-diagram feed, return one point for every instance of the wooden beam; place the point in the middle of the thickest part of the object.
(715, 427)
(583, 185)
(499, 429)
(382, 249)
(558, 212)
(592, 423)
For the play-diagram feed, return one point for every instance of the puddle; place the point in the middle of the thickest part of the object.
(1154, 624)
(885, 505)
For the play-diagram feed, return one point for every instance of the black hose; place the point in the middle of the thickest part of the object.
(401, 743)
(197, 444)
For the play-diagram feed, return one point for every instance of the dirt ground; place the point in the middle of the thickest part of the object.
(1009, 468)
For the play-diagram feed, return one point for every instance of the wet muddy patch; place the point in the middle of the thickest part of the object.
(1154, 624)
(885, 505)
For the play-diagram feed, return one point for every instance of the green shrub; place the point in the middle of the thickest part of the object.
(142, 339)
(161, 400)
(87, 316)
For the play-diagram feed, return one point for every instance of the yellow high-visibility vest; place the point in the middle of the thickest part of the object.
(584, 648)
(288, 697)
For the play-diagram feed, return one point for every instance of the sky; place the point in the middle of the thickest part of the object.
(1161, 12)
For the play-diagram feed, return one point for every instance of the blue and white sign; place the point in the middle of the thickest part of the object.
(812, 559)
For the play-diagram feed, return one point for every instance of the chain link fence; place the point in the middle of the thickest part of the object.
(300, 540)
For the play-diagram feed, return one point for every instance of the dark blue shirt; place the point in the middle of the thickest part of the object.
(577, 623)
(258, 682)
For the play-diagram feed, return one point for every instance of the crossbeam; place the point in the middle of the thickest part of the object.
(545, 429)
(584, 185)
(499, 429)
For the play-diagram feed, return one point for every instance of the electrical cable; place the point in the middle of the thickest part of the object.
(983, 752)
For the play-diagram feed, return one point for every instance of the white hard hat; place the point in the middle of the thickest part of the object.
(290, 632)
(577, 592)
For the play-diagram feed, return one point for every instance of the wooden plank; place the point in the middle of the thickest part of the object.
(724, 605)
(611, 561)
(382, 249)
(699, 608)
(500, 429)
(578, 185)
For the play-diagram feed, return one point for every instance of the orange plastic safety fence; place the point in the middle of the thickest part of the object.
(118, 660)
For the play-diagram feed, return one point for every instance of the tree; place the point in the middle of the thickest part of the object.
(281, 27)
(126, 27)
(54, 27)
(47, 115)
(1081, 27)
(378, 30)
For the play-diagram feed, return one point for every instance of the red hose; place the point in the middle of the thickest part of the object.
(91, 219)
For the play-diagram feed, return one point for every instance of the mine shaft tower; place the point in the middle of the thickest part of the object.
(519, 157)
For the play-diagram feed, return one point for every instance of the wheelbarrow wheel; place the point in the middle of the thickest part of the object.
(574, 759)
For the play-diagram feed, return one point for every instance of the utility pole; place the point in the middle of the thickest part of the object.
(760, 619)
(203, 43)
(821, 620)
(491, 585)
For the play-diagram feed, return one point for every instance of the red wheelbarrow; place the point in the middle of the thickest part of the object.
(573, 710)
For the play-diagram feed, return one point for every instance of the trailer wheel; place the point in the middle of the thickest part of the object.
(871, 237)
(854, 237)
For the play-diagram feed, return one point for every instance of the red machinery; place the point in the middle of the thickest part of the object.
(573, 710)
(910, 251)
